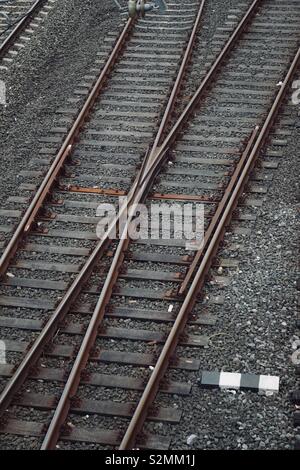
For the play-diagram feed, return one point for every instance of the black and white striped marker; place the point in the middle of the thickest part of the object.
(236, 381)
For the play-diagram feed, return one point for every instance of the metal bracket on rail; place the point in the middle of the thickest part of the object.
(141, 7)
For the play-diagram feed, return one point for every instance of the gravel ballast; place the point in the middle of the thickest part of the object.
(256, 324)
(255, 331)
(44, 75)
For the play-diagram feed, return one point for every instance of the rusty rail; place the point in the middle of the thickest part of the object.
(158, 153)
(249, 157)
(51, 326)
(258, 145)
(63, 154)
(176, 88)
(150, 167)
(20, 26)
(138, 193)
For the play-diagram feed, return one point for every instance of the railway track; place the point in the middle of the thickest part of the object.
(18, 21)
(116, 319)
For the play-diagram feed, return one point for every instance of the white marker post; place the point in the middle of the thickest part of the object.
(2, 93)
(296, 94)
(2, 352)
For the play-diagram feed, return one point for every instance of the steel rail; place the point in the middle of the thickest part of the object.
(20, 26)
(59, 314)
(155, 157)
(259, 143)
(63, 154)
(168, 350)
(221, 206)
(205, 84)
(73, 291)
(72, 384)
(150, 167)
(139, 183)
(139, 192)
(62, 309)
(179, 79)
